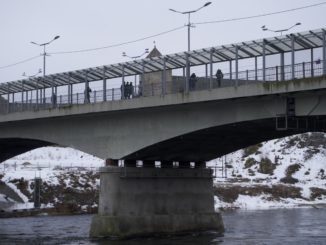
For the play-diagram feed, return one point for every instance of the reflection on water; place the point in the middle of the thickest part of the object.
(297, 226)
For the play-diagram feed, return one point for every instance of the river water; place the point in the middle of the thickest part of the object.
(282, 226)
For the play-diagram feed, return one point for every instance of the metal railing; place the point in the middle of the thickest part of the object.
(177, 85)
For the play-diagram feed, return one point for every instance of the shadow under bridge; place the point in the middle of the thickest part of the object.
(214, 142)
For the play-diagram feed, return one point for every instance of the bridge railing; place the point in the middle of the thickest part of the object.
(279, 73)
(177, 85)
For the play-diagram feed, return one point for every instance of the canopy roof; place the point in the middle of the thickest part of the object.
(274, 45)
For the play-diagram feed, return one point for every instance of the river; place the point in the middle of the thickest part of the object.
(280, 226)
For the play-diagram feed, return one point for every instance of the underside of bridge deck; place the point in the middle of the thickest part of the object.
(210, 143)
(11, 147)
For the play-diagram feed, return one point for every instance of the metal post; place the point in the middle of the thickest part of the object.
(86, 92)
(264, 61)
(236, 66)
(164, 77)
(206, 71)
(324, 52)
(37, 93)
(256, 68)
(44, 98)
(104, 85)
(22, 103)
(8, 99)
(141, 85)
(312, 62)
(187, 57)
(230, 65)
(187, 73)
(282, 66)
(211, 69)
(123, 83)
(71, 94)
(292, 57)
(247, 75)
(276, 73)
(303, 70)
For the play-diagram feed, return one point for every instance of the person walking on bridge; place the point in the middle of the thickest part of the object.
(192, 81)
(88, 91)
(219, 77)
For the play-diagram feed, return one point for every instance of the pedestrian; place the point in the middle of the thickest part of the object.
(140, 88)
(123, 90)
(192, 81)
(219, 77)
(127, 90)
(131, 90)
(54, 99)
(88, 91)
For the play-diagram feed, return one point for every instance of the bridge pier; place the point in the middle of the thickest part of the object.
(150, 201)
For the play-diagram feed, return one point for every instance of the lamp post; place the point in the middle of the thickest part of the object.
(44, 54)
(189, 25)
(264, 28)
(124, 54)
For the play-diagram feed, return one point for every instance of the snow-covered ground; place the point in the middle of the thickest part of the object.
(305, 153)
(49, 163)
(255, 175)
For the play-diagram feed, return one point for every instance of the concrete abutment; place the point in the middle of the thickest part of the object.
(150, 201)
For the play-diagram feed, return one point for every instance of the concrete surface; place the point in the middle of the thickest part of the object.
(145, 201)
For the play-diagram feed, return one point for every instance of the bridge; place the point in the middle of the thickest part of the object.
(170, 119)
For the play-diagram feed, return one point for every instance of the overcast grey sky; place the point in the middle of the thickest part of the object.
(84, 24)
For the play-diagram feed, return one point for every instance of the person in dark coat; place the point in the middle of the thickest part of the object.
(192, 81)
(219, 77)
(88, 91)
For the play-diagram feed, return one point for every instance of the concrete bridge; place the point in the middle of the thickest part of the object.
(198, 126)
(191, 124)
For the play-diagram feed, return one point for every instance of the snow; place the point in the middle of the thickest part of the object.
(309, 174)
(49, 163)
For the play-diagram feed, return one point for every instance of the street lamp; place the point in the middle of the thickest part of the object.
(137, 56)
(189, 25)
(264, 28)
(124, 54)
(44, 53)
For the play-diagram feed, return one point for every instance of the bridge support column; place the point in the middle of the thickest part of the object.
(151, 201)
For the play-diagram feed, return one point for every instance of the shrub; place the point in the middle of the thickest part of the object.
(292, 169)
(250, 162)
(316, 192)
(266, 166)
(289, 180)
(251, 150)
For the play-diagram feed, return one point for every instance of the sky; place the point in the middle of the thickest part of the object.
(87, 24)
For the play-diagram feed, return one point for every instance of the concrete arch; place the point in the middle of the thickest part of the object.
(210, 143)
(10, 147)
